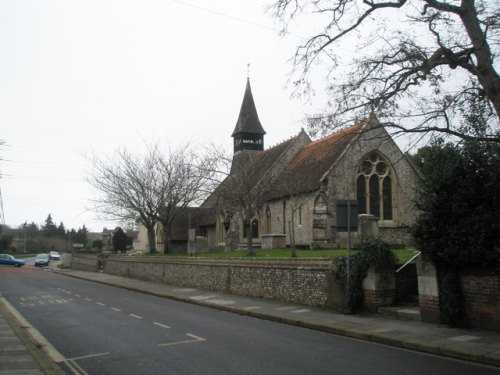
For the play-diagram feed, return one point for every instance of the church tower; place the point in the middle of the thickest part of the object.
(248, 135)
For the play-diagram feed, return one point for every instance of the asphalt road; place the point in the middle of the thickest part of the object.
(106, 330)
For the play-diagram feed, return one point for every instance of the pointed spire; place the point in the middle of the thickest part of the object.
(248, 120)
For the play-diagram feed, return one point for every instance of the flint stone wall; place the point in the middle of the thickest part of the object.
(85, 262)
(297, 281)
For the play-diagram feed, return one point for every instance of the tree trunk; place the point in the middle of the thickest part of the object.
(292, 238)
(151, 240)
(250, 251)
(167, 238)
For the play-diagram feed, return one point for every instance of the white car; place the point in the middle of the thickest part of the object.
(54, 255)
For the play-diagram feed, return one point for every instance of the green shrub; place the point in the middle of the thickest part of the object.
(374, 252)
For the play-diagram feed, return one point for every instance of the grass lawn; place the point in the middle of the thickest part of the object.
(402, 255)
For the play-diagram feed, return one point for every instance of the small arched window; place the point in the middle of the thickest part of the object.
(320, 206)
(254, 228)
(374, 187)
(268, 219)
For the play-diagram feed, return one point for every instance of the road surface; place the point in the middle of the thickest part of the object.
(100, 329)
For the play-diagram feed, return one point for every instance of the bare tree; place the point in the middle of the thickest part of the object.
(241, 193)
(423, 63)
(296, 201)
(130, 188)
(151, 188)
(183, 175)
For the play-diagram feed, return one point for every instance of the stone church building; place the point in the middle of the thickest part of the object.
(306, 188)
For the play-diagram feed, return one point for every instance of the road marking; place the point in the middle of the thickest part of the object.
(100, 304)
(198, 338)
(116, 309)
(252, 308)
(161, 325)
(88, 299)
(75, 368)
(31, 298)
(77, 295)
(194, 337)
(89, 356)
(135, 316)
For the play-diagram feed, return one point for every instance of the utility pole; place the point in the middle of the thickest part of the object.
(2, 216)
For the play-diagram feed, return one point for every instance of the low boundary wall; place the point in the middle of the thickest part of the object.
(481, 292)
(84, 262)
(302, 281)
(297, 281)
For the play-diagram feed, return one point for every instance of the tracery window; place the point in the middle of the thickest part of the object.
(374, 187)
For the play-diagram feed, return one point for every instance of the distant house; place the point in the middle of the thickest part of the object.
(106, 236)
(306, 186)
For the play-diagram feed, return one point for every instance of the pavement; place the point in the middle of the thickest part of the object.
(474, 345)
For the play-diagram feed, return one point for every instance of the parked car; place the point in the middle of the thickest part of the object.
(10, 260)
(42, 260)
(54, 255)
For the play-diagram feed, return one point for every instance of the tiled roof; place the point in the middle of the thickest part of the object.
(304, 171)
(309, 165)
(256, 165)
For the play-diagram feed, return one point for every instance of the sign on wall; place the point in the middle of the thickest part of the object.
(347, 215)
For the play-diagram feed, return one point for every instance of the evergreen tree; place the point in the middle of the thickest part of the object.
(97, 244)
(61, 231)
(120, 240)
(458, 226)
(81, 235)
(49, 228)
(31, 230)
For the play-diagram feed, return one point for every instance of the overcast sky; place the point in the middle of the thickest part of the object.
(83, 77)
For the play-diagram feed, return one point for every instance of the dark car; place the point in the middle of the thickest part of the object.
(10, 260)
(42, 260)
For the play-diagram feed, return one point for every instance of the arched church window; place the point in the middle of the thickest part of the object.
(268, 219)
(374, 187)
(254, 228)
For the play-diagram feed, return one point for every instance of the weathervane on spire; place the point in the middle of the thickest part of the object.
(248, 70)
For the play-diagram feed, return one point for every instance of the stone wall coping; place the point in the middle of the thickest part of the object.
(313, 263)
(86, 255)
